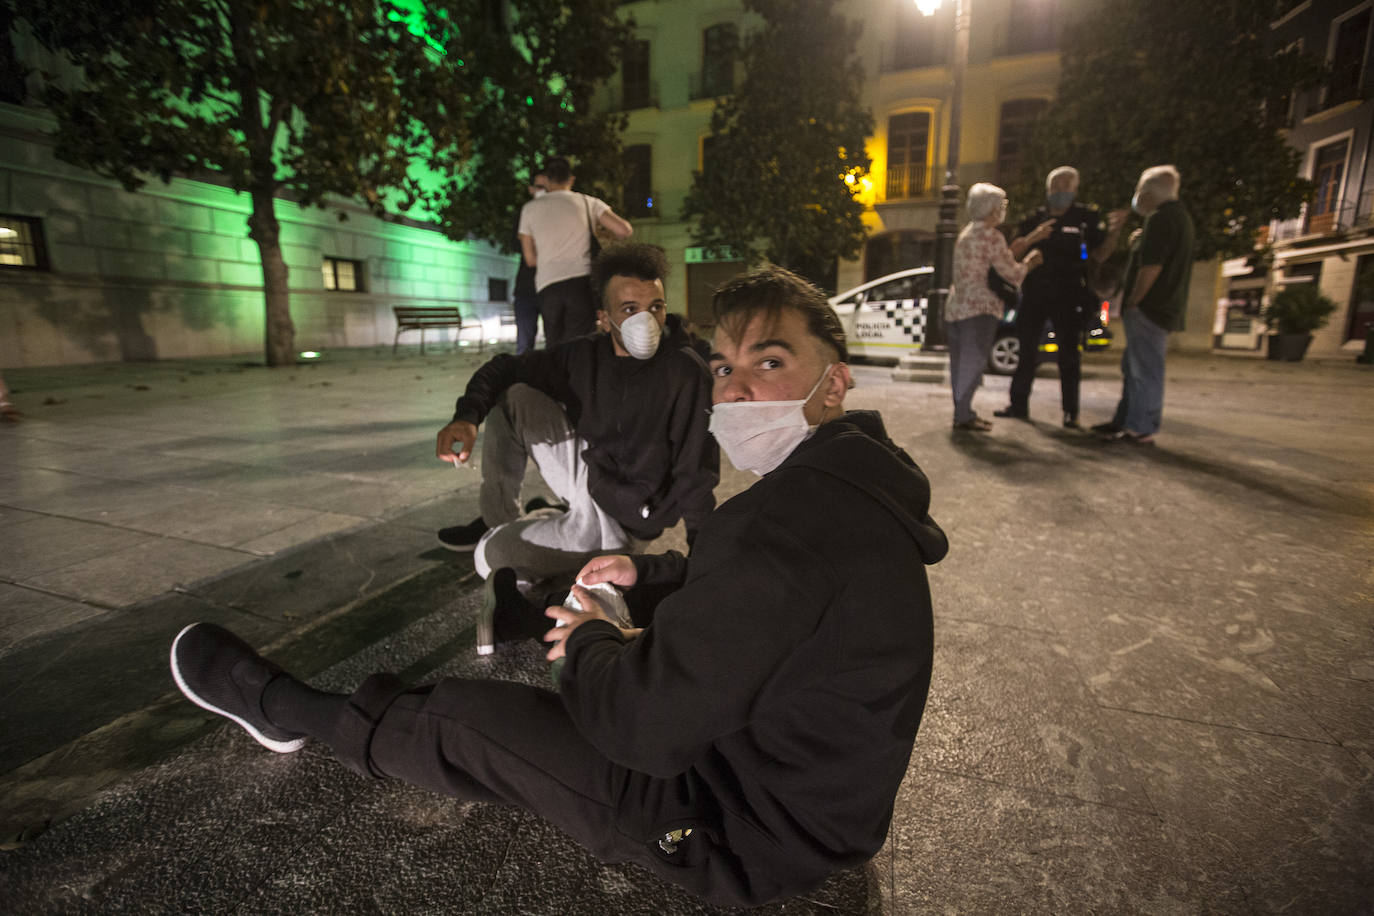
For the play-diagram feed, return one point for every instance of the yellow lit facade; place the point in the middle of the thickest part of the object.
(1012, 74)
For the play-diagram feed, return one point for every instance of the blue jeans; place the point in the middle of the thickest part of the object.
(526, 322)
(1141, 408)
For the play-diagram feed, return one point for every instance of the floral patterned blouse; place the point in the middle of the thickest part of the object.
(978, 247)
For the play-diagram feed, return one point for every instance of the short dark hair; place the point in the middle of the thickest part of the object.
(627, 259)
(767, 291)
(558, 169)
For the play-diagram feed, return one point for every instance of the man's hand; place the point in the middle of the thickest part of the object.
(459, 433)
(571, 620)
(1115, 219)
(618, 570)
(1034, 259)
(1040, 232)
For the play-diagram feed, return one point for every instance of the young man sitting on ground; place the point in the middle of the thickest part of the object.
(615, 422)
(751, 739)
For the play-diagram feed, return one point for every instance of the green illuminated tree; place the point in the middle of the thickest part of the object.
(279, 98)
(540, 61)
(773, 185)
(1146, 82)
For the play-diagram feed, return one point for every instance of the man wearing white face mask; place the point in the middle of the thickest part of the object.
(750, 740)
(615, 421)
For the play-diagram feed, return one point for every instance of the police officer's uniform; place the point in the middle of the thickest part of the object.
(1057, 290)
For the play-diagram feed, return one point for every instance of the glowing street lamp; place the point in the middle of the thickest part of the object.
(947, 226)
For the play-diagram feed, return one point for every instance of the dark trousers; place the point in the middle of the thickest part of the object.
(568, 309)
(1062, 309)
(526, 321)
(496, 741)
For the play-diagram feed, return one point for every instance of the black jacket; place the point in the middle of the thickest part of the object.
(644, 422)
(787, 676)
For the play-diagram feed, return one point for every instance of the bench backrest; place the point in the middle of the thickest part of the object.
(426, 314)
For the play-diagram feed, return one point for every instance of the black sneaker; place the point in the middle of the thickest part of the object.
(1106, 429)
(220, 672)
(1012, 413)
(1071, 421)
(463, 538)
(506, 615)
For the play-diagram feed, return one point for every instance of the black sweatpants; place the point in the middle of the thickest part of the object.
(496, 741)
(1061, 308)
(568, 309)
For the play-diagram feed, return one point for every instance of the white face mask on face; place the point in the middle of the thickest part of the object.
(639, 334)
(758, 435)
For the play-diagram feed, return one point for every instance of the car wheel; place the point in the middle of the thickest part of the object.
(1005, 356)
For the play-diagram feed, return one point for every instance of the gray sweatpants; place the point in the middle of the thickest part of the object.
(529, 424)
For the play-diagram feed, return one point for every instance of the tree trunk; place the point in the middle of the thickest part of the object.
(280, 332)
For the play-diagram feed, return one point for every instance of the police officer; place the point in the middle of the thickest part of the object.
(1059, 291)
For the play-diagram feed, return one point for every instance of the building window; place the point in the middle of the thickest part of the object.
(497, 289)
(718, 46)
(708, 149)
(1013, 133)
(1328, 168)
(1348, 43)
(908, 144)
(639, 194)
(343, 275)
(1031, 26)
(21, 243)
(636, 89)
(920, 40)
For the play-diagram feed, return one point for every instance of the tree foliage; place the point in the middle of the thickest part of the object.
(1148, 82)
(773, 185)
(539, 69)
(378, 101)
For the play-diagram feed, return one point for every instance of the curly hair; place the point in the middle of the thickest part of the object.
(627, 259)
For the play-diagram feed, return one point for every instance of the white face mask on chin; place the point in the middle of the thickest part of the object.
(639, 334)
(758, 435)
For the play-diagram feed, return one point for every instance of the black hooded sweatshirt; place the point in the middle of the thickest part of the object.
(783, 683)
(650, 460)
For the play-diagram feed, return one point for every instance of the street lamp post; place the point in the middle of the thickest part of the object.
(947, 226)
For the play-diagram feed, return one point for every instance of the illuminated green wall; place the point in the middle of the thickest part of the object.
(170, 272)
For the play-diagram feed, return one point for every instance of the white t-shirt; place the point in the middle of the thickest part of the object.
(560, 222)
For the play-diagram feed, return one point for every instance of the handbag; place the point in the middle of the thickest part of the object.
(1009, 293)
(594, 244)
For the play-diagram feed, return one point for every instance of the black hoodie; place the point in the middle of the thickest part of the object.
(785, 680)
(644, 422)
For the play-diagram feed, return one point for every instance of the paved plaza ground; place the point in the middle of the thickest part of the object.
(1154, 671)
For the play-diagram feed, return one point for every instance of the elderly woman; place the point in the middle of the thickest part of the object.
(973, 310)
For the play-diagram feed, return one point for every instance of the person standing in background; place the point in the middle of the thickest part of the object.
(973, 310)
(525, 299)
(556, 237)
(1059, 291)
(1157, 279)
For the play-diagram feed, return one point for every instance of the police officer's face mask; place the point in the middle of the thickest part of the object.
(1060, 200)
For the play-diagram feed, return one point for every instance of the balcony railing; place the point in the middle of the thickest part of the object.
(635, 95)
(1349, 215)
(907, 181)
(710, 85)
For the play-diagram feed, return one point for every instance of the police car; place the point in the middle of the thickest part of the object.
(886, 317)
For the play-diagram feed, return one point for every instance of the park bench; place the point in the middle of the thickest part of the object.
(429, 317)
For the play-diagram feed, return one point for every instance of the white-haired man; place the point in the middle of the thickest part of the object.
(1058, 291)
(1157, 277)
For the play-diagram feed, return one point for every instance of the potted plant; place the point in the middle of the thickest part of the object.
(1292, 315)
